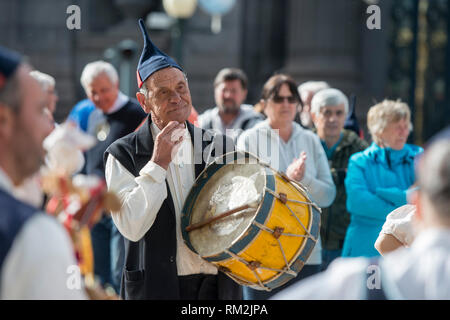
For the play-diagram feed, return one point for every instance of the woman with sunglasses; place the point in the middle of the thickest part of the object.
(287, 147)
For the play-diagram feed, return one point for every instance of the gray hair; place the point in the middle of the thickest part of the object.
(313, 86)
(384, 113)
(94, 69)
(328, 97)
(434, 176)
(46, 81)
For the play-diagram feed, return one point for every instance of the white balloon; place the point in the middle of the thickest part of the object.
(180, 8)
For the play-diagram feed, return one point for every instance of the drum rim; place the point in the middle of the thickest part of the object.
(263, 211)
(301, 254)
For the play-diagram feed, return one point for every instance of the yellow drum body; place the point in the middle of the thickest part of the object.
(263, 247)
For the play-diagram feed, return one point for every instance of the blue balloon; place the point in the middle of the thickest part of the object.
(217, 6)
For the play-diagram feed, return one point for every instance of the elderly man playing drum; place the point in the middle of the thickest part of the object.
(152, 171)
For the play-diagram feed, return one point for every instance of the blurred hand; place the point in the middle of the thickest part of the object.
(296, 170)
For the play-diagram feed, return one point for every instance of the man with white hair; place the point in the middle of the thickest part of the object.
(47, 83)
(416, 273)
(329, 108)
(115, 116)
(307, 90)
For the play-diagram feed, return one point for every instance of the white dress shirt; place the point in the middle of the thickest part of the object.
(121, 101)
(416, 273)
(40, 263)
(143, 196)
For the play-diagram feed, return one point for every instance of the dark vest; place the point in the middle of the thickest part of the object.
(120, 123)
(150, 264)
(13, 215)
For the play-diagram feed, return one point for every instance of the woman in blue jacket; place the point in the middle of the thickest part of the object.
(378, 178)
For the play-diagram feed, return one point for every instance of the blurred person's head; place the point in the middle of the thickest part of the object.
(24, 123)
(280, 99)
(230, 90)
(308, 89)
(329, 108)
(433, 196)
(47, 83)
(389, 124)
(101, 84)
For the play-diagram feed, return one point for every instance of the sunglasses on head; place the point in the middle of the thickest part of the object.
(280, 99)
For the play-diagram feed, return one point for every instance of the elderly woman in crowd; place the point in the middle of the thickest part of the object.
(287, 147)
(378, 178)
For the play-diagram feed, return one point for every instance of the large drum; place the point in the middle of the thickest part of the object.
(254, 223)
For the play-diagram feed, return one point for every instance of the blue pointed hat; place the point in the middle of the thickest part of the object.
(152, 59)
(9, 61)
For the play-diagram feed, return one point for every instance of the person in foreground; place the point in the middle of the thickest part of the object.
(152, 171)
(35, 250)
(419, 272)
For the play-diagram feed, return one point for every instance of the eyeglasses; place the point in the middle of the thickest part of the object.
(280, 99)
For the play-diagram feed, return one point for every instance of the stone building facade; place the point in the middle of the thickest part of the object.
(309, 39)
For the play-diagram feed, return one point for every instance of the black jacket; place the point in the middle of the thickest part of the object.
(150, 264)
(119, 124)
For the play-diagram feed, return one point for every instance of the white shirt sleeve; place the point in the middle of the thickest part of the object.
(41, 264)
(321, 187)
(399, 223)
(141, 196)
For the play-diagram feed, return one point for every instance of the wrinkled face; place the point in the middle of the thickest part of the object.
(229, 96)
(168, 98)
(281, 108)
(330, 121)
(102, 92)
(31, 125)
(395, 134)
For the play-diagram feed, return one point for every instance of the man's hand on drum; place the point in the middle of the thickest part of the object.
(167, 143)
(296, 169)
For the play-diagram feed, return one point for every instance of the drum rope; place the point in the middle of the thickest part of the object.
(249, 266)
(309, 235)
(287, 268)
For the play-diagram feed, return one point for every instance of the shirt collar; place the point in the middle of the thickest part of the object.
(5, 182)
(120, 102)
